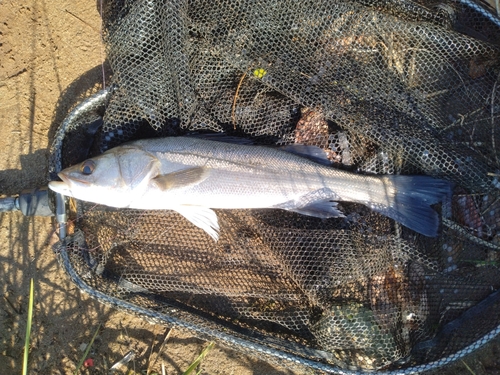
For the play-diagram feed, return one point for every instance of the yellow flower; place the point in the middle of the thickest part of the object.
(259, 72)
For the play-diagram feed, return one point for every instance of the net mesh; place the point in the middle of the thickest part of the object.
(384, 87)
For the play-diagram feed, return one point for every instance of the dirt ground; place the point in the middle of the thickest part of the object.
(50, 57)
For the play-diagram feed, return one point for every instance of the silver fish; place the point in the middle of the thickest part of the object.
(193, 176)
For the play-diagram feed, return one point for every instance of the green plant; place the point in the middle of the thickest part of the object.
(28, 328)
(198, 360)
(87, 350)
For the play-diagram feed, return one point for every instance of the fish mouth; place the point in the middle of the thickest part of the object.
(68, 181)
(63, 187)
(60, 187)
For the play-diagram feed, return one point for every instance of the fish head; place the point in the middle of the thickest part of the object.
(114, 178)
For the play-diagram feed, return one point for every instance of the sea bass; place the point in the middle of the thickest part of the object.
(193, 176)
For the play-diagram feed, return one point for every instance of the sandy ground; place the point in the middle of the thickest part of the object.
(50, 57)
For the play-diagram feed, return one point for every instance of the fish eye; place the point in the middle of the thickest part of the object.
(87, 167)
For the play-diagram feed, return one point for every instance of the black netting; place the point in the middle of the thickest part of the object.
(384, 87)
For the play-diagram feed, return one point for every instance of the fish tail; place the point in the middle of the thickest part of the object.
(410, 201)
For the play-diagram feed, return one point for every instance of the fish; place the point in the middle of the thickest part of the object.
(193, 176)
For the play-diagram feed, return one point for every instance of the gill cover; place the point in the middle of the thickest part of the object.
(116, 178)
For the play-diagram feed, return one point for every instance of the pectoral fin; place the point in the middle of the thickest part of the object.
(202, 217)
(182, 178)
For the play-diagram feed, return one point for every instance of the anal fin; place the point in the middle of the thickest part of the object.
(319, 203)
(322, 209)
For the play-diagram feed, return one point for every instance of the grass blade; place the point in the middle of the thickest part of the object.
(468, 368)
(28, 329)
(199, 359)
(87, 350)
(166, 336)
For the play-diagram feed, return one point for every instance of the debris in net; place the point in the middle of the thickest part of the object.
(479, 67)
(467, 213)
(380, 163)
(352, 334)
(489, 211)
(480, 312)
(312, 130)
(399, 302)
(236, 94)
(466, 234)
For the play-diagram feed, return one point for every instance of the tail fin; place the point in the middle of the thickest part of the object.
(411, 204)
